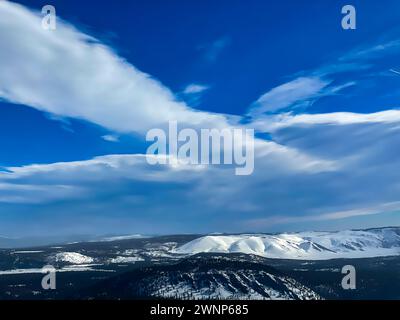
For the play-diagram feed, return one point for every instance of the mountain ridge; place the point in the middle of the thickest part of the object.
(309, 245)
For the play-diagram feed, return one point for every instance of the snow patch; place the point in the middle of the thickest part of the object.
(126, 259)
(73, 257)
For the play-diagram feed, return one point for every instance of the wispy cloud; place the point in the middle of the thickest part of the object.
(309, 86)
(300, 92)
(110, 138)
(195, 88)
(213, 50)
(83, 79)
(366, 211)
(276, 122)
(288, 94)
(373, 51)
(395, 71)
(193, 92)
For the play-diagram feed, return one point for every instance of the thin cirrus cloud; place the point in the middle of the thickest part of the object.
(307, 87)
(288, 94)
(373, 210)
(300, 92)
(110, 138)
(195, 88)
(373, 52)
(285, 120)
(395, 71)
(193, 93)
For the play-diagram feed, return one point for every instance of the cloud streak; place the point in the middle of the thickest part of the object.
(288, 94)
(273, 123)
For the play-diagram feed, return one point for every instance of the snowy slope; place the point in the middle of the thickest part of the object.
(304, 245)
(240, 285)
(211, 277)
(73, 257)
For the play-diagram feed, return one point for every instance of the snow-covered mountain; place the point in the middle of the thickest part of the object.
(304, 245)
(166, 267)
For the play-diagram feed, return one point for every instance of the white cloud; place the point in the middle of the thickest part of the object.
(89, 175)
(71, 74)
(110, 138)
(287, 94)
(300, 92)
(299, 182)
(374, 51)
(276, 122)
(363, 211)
(195, 88)
(395, 71)
(193, 93)
(309, 86)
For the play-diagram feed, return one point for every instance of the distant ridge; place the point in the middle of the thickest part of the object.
(313, 245)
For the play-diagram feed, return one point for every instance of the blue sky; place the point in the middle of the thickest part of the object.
(76, 103)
